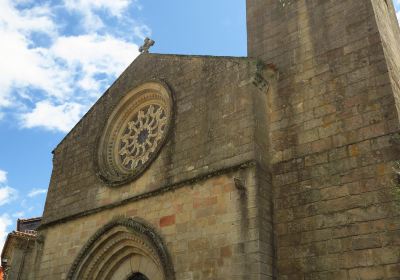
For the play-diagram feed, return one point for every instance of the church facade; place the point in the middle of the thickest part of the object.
(279, 165)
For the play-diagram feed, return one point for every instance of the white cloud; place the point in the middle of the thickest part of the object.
(36, 192)
(65, 76)
(7, 195)
(27, 20)
(19, 215)
(5, 222)
(114, 7)
(3, 176)
(142, 31)
(397, 6)
(22, 64)
(87, 56)
(53, 117)
(89, 8)
(94, 54)
(84, 56)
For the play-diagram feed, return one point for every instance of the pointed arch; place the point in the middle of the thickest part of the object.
(122, 248)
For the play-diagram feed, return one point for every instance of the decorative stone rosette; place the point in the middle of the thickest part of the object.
(134, 133)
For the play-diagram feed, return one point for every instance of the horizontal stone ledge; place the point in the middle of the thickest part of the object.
(161, 190)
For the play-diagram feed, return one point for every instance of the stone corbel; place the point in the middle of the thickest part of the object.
(264, 77)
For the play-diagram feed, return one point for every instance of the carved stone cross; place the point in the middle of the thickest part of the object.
(148, 43)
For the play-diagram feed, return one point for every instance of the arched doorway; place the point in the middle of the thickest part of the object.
(123, 249)
(138, 276)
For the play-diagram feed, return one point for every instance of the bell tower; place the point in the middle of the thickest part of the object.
(334, 134)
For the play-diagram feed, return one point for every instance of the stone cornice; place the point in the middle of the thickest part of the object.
(160, 190)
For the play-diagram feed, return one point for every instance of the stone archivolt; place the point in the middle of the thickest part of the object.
(121, 249)
(134, 133)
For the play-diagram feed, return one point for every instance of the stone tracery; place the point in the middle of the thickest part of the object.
(135, 133)
(141, 136)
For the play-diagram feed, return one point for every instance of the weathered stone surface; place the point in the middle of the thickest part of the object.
(220, 243)
(278, 172)
(332, 116)
(213, 129)
(210, 223)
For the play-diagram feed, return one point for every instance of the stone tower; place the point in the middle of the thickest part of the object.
(334, 134)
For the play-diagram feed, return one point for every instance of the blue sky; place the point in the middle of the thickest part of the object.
(58, 57)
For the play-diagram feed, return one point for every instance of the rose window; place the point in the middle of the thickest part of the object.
(141, 136)
(134, 133)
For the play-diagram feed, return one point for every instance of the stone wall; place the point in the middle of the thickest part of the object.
(213, 130)
(388, 26)
(20, 253)
(211, 230)
(334, 134)
(208, 193)
(258, 180)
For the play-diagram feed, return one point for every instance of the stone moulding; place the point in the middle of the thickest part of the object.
(134, 133)
(149, 245)
(160, 190)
